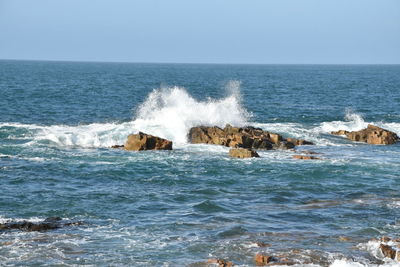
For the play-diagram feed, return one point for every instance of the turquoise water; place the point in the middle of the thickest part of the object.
(176, 208)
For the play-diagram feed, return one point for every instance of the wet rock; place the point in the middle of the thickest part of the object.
(47, 224)
(308, 152)
(263, 260)
(304, 157)
(372, 135)
(142, 141)
(118, 146)
(246, 137)
(285, 145)
(340, 132)
(299, 142)
(243, 153)
(385, 239)
(263, 245)
(388, 251)
(344, 238)
(220, 262)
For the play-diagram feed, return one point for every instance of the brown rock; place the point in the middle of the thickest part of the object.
(372, 135)
(118, 146)
(340, 132)
(385, 239)
(304, 157)
(388, 251)
(243, 153)
(247, 137)
(221, 262)
(299, 142)
(262, 244)
(263, 260)
(142, 141)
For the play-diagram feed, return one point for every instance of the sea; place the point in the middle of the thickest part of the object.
(58, 121)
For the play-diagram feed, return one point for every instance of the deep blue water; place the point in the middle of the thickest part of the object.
(181, 207)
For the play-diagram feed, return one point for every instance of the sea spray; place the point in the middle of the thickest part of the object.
(171, 112)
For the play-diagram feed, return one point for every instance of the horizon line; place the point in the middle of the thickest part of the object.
(187, 63)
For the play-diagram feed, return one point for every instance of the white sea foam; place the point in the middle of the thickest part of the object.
(167, 112)
(355, 122)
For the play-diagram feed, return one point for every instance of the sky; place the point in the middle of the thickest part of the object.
(202, 31)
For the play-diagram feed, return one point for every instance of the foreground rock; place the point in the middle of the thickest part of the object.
(372, 135)
(142, 141)
(247, 137)
(243, 153)
(48, 224)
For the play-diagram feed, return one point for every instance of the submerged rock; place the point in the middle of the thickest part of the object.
(372, 135)
(48, 224)
(304, 157)
(142, 141)
(243, 153)
(246, 137)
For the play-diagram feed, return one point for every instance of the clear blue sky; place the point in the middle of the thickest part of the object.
(203, 31)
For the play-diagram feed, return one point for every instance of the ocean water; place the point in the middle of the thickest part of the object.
(182, 207)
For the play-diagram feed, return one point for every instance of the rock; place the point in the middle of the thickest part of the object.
(299, 142)
(308, 152)
(385, 239)
(262, 244)
(220, 262)
(263, 260)
(246, 137)
(340, 132)
(372, 135)
(142, 141)
(388, 251)
(118, 146)
(243, 153)
(48, 224)
(285, 145)
(304, 157)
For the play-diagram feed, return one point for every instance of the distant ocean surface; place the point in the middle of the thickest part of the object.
(58, 121)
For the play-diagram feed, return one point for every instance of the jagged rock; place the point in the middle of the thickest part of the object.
(246, 137)
(118, 146)
(243, 153)
(221, 262)
(285, 145)
(299, 142)
(48, 224)
(388, 251)
(304, 157)
(263, 260)
(142, 141)
(340, 132)
(372, 135)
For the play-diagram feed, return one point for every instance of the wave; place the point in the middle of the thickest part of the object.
(167, 113)
(355, 122)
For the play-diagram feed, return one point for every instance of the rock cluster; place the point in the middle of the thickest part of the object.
(142, 141)
(243, 153)
(246, 137)
(48, 224)
(372, 135)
